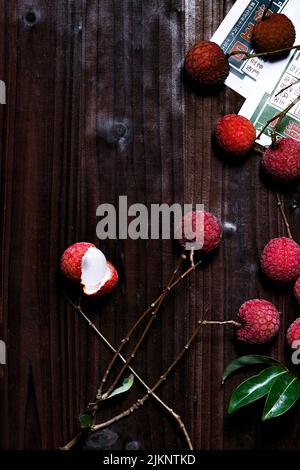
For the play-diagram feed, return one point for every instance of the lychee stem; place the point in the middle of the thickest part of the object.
(151, 309)
(228, 322)
(267, 9)
(161, 379)
(181, 425)
(283, 215)
(140, 402)
(248, 55)
(280, 117)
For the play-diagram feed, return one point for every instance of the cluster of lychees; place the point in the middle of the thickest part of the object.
(207, 64)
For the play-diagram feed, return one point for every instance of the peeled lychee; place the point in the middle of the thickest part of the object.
(85, 264)
(259, 320)
(282, 161)
(273, 32)
(235, 134)
(293, 333)
(206, 64)
(280, 260)
(297, 290)
(190, 232)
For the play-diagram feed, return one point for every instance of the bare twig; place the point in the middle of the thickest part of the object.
(267, 9)
(283, 215)
(94, 406)
(248, 55)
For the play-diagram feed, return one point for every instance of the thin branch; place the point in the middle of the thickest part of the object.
(283, 215)
(267, 9)
(248, 55)
(151, 309)
(140, 402)
(278, 116)
(161, 379)
(286, 87)
(228, 322)
(181, 425)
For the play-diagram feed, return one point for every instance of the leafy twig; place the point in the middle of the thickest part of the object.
(140, 402)
(171, 284)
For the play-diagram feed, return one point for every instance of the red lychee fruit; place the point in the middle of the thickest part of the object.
(297, 290)
(293, 334)
(85, 264)
(280, 260)
(259, 320)
(282, 161)
(273, 32)
(235, 134)
(207, 64)
(190, 232)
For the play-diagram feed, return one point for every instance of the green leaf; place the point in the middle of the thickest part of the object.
(246, 361)
(126, 385)
(283, 395)
(85, 421)
(254, 388)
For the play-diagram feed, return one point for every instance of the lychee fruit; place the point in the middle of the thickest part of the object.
(206, 64)
(259, 320)
(293, 333)
(280, 260)
(85, 264)
(190, 233)
(297, 290)
(235, 134)
(282, 161)
(273, 32)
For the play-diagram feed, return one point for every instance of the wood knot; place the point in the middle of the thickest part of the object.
(30, 17)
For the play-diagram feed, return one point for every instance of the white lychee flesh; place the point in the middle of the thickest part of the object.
(94, 270)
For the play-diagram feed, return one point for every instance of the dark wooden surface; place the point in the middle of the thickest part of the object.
(97, 107)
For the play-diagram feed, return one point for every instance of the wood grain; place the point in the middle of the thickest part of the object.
(97, 107)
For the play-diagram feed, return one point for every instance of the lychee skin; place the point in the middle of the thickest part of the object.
(212, 230)
(110, 284)
(297, 290)
(206, 64)
(293, 333)
(274, 32)
(70, 263)
(260, 321)
(280, 260)
(282, 161)
(235, 134)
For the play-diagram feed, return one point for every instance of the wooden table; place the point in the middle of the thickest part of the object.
(96, 108)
